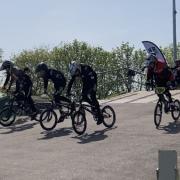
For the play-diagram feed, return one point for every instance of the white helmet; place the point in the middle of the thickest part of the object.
(151, 58)
(73, 67)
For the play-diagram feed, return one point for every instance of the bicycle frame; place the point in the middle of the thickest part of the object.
(62, 104)
(87, 107)
(21, 105)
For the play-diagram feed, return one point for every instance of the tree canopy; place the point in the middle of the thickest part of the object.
(112, 67)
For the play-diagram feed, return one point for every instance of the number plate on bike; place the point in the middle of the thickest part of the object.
(160, 90)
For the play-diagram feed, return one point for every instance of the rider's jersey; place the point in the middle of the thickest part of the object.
(57, 77)
(11, 76)
(88, 76)
(159, 67)
(24, 83)
(161, 73)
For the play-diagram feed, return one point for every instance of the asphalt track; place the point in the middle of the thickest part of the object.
(128, 151)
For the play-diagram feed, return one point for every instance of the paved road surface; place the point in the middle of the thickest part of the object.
(129, 151)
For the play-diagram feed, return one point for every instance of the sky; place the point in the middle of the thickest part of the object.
(29, 24)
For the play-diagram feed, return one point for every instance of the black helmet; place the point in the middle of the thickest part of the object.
(41, 67)
(6, 64)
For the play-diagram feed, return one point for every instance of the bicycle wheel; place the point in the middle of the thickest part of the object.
(158, 114)
(79, 122)
(7, 116)
(48, 119)
(176, 110)
(109, 116)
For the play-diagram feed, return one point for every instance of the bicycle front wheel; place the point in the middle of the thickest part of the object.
(176, 110)
(109, 116)
(48, 119)
(7, 116)
(79, 122)
(158, 114)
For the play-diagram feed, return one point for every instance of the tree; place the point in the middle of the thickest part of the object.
(168, 52)
(112, 67)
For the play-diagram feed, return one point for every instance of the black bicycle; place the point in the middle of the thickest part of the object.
(79, 121)
(174, 108)
(65, 107)
(16, 106)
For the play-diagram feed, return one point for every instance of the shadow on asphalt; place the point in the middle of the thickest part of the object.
(56, 133)
(171, 128)
(95, 136)
(19, 125)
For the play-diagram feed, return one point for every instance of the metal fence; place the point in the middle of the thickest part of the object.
(118, 82)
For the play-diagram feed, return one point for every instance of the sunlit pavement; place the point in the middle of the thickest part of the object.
(128, 151)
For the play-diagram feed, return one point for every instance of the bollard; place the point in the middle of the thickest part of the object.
(167, 165)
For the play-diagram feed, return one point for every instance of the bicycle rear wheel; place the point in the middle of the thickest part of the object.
(48, 119)
(79, 122)
(176, 110)
(109, 116)
(158, 114)
(7, 116)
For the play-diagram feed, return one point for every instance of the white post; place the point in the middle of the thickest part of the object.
(167, 165)
(174, 32)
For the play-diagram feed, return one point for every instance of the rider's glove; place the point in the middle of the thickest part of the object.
(168, 84)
